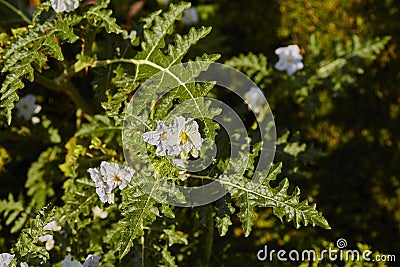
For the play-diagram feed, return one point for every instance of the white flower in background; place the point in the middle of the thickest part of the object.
(90, 261)
(190, 16)
(187, 136)
(49, 241)
(26, 107)
(67, 262)
(64, 5)
(255, 99)
(52, 226)
(161, 139)
(98, 212)
(163, 2)
(115, 175)
(5, 259)
(102, 189)
(289, 59)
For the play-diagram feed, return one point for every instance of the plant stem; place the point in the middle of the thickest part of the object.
(16, 11)
(67, 87)
(208, 238)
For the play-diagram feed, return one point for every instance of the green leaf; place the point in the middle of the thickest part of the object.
(154, 58)
(255, 66)
(43, 175)
(353, 50)
(138, 210)
(167, 258)
(224, 212)
(12, 209)
(99, 15)
(29, 52)
(251, 194)
(175, 237)
(101, 127)
(28, 247)
(71, 163)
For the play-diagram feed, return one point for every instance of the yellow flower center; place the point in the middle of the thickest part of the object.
(164, 135)
(289, 60)
(117, 179)
(184, 137)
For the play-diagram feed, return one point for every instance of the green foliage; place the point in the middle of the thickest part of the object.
(251, 195)
(255, 66)
(29, 52)
(28, 247)
(139, 211)
(103, 83)
(11, 210)
(43, 175)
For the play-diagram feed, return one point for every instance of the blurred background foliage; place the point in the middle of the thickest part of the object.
(354, 132)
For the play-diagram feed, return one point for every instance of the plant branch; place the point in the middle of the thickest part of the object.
(209, 238)
(65, 86)
(16, 11)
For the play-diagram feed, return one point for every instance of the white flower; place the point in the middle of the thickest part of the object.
(186, 136)
(190, 16)
(67, 262)
(89, 262)
(49, 241)
(161, 139)
(180, 138)
(26, 107)
(97, 212)
(255, 99)
(5, 259)
(289, 59)
(110, 176)
(115, 175)
(52, 226)
(102, 189)
(64, 5)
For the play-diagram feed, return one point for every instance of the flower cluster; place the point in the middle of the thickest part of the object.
(255, 99)
(90, 261)
(289, 59)
(181, 138)
(64, 5)
(108, 177)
